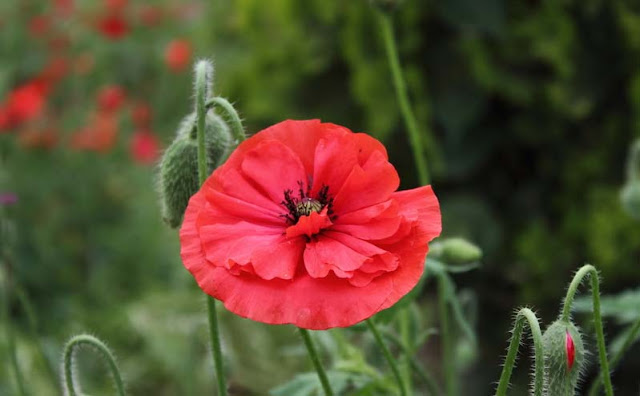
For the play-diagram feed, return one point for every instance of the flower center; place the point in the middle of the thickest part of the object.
(303, 204)
(308, 205)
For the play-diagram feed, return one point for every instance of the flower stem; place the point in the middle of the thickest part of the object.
(11, 341)
(67, 362)
(236, 123)
(387, 355)
(446, 339)
(313, 354)
(597, 318)
(405, 361)
(426, 377)
(631, 337)
(386, 26)
(525, 315)
(202, 68)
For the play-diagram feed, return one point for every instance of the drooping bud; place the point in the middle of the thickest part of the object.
(456, 251)
(178, 178)
(564, 358)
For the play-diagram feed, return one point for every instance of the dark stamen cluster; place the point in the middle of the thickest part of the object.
(304, 204)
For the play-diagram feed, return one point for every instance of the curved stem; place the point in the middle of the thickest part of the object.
(386, 26)
(446, 339)
(202, 69)
(236, 123)
(589, 269)
(387, 354)
(313, 354)
(67, 361)
(631, 337)
(525, 315)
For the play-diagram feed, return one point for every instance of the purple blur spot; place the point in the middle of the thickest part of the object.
(8, 198)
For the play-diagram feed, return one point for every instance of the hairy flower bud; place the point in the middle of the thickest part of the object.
(456, 251)
(178, 178)
(564, 357)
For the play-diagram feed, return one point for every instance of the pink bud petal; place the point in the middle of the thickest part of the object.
(571, 350)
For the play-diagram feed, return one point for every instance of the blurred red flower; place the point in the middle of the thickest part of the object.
(150, 15)
(26, 102)
(144, 147)
(141, 114)
(177, 54)
(303, 225)
(39, 25)
(111, 98)
(35, 137)
(116, 5)
(64, 7)
(113, 26)
(99, 135)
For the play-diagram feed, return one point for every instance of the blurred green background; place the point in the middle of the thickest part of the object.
(531, 106)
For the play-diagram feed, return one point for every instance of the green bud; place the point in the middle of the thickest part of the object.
(178, 178)
(564, 358)
(456, 251)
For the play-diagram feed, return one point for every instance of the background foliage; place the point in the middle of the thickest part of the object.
(531, 107)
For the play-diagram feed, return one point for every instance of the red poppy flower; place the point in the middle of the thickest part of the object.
(178, 55)
(303, 225)
(116, 5)
(27, 101)
(110, 98)
(144, 147)
(5, 121)
(39, 25)
(113, 26)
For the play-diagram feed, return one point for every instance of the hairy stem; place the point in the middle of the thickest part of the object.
(313, 354)
(202, 68)
(236, 123)
(524, 316)
(386, 27)
(633, 334)
(590, 270)
(97, 345)
(387, 354)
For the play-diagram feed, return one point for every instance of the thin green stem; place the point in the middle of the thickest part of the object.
(236, 123)
(405, 361)
(386, 26)
(8, 287)
(590, 270)
(97, 345)
(633, 334)
(426, 377)
(524, 316)
(387, 354)
(27, 307)
(315, 358)
(446, 339)
(202, 69)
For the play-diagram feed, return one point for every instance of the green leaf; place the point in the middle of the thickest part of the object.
(308, 384)
(624, 307)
